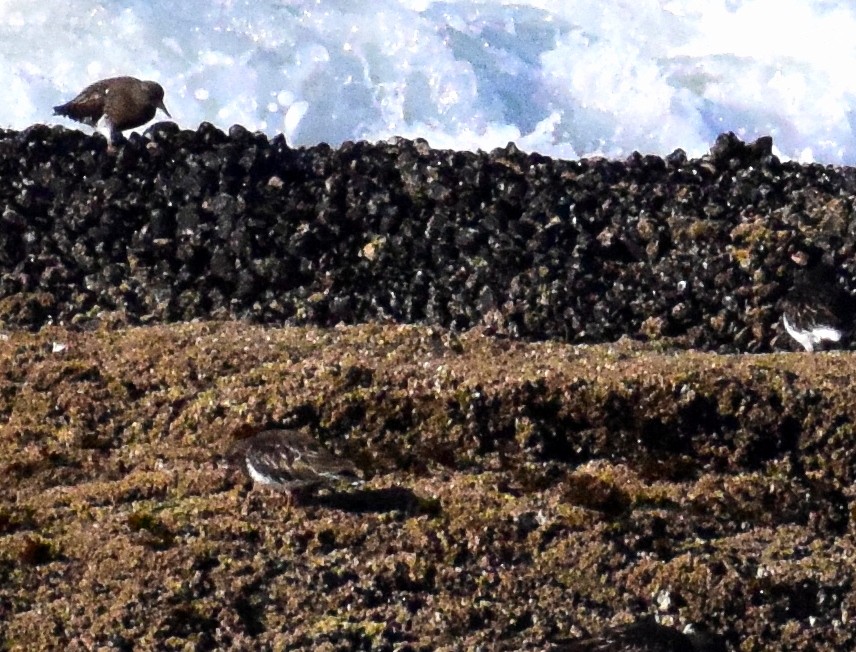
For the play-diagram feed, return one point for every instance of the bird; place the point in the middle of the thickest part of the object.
(816, 309)
(291, 462)
(647, 635)
(122, 102)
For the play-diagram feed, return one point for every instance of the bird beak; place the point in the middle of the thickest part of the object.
(162, 107)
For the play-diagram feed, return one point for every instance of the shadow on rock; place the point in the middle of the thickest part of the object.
(378, 501)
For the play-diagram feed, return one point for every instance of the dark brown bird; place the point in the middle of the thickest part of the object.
(291, 461)
(123, 103)
(646, 635)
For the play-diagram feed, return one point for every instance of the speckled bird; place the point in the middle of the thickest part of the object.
(292, 462)
(646, 635)
(122, 102)
(817, 309)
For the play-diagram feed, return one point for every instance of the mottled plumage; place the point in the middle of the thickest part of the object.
(646, 635)
(291, 461)
(817, 309)
(123, 102)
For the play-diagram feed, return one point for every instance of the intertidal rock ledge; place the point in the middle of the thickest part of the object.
(178, 225)
(517, 493)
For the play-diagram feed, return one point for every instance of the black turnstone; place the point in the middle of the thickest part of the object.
(817, 309)
(291, 462)
(647, 635)
(122, 102)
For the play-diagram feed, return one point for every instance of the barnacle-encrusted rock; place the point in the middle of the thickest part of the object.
(180, 225)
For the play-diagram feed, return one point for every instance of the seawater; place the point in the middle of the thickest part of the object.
(566, 78)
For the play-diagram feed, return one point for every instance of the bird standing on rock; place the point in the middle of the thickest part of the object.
(647, 635)
(292, 462)
(817, 309)
(122, 102)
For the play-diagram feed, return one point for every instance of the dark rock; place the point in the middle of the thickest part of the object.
(584, 251)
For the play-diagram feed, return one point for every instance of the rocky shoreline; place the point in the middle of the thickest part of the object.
(541, 366)
(182, 225)
(519, 494)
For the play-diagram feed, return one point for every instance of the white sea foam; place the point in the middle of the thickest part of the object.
(563, 77)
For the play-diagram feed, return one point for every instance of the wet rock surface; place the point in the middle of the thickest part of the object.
(179, 225)
(519, 494)
(526, 487)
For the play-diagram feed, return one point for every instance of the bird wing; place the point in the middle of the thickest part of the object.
(88, 106)
(642, 636)
(312, 462)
